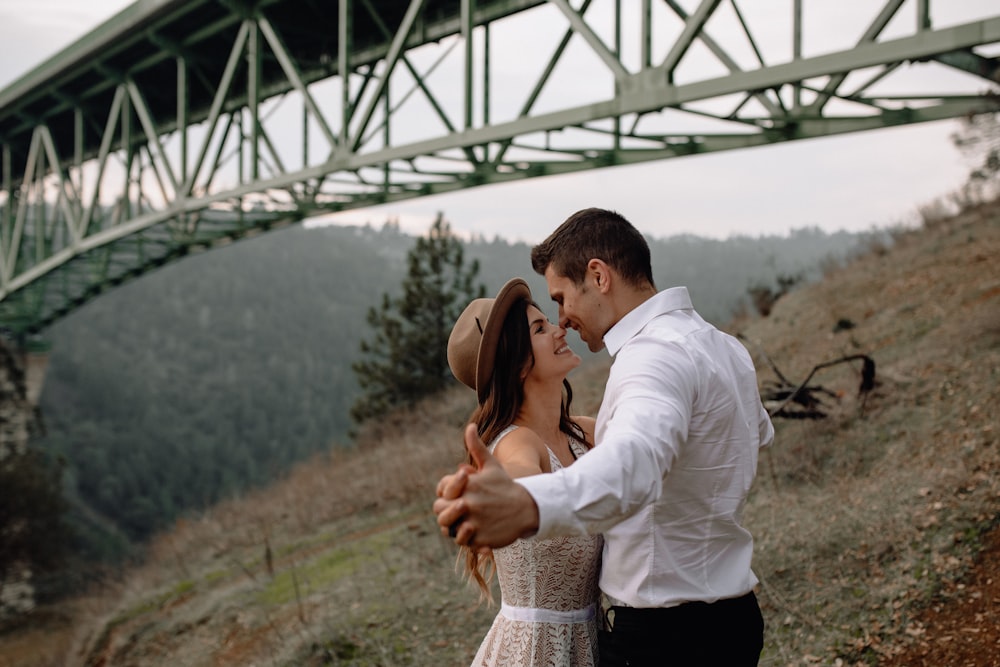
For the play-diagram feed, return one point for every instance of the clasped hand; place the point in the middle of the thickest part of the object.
(479, 505)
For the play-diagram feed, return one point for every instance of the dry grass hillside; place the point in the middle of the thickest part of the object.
(876, 527)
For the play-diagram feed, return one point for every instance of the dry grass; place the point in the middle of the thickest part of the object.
(859, 518)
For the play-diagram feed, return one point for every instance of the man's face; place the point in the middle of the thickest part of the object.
(579, 308)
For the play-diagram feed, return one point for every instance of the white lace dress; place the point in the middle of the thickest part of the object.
(549, 594)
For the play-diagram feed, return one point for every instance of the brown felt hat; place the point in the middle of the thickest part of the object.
(472, 345)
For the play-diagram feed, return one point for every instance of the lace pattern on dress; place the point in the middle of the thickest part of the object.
(549, 592)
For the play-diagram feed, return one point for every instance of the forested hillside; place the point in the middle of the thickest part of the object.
(219, 372)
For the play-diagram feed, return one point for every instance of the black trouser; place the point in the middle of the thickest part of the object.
(727, 633)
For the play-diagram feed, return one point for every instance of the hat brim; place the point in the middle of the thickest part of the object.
(514, 290)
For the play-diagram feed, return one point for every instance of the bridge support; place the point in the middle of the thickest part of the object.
(182, 125)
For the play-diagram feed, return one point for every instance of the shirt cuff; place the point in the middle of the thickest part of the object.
(554, 517)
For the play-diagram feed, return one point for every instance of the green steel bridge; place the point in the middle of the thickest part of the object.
(183, 125)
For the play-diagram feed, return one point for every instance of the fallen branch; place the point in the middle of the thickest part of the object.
(779, 396)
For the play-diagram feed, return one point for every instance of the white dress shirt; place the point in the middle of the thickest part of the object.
(678, 435)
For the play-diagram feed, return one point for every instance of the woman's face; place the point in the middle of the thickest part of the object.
(552, 356)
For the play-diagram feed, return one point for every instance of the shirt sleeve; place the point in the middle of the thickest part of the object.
(650, 399)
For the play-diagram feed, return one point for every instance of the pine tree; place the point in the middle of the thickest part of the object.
(978, 139)
(406, 358)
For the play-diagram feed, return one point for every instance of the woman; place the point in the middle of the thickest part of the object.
(517, 362)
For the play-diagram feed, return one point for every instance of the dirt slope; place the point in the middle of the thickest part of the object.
(902, 495)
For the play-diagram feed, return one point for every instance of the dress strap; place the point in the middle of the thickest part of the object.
(534, 615)
(500, 436)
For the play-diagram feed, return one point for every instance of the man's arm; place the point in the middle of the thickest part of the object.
(492, 509)
(645, 416)
(620, 476)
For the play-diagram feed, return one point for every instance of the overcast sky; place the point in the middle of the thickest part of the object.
(852, 182)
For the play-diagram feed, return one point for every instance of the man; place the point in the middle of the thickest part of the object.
(678, 435)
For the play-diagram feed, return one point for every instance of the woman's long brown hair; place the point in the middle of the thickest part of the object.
(499, 409)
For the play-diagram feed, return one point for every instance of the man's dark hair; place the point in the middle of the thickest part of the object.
(595, 233)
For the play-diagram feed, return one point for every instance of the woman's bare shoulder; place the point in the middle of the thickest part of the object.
(520, 438)
(521, 451)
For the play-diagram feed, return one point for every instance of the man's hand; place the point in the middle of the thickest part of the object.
(481, 504)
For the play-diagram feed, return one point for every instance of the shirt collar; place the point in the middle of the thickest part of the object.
(675, 298)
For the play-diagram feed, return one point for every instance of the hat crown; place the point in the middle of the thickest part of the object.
(465, 340)
(472, 345)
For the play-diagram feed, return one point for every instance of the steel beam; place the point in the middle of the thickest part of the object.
(292, 108)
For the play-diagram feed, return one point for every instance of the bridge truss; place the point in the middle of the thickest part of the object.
(182, 125)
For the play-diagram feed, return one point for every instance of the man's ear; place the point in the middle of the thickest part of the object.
(599, 275)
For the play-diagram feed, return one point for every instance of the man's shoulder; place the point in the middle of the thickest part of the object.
(657, 349)
(668, 329)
